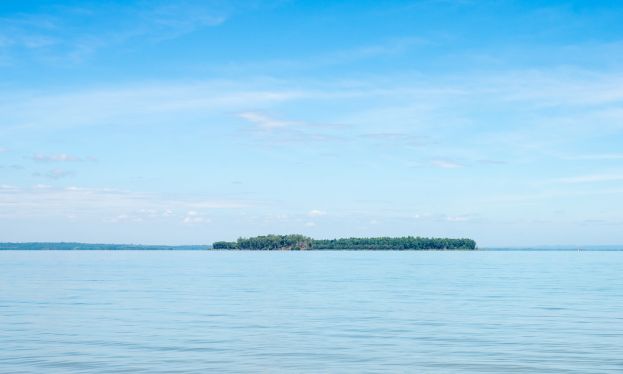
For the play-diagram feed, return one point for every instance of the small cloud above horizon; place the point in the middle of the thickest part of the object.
(595, 157)
(316, 213)
(445, 164)
(60, 157)
(595, 178)
(458, 218)
(54, 174)
(194, 217)
(393, 138)
(264, 121)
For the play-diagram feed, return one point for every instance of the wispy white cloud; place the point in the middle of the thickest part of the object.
(486, 161)
(174, 19)
(316, 213)
(390, 47)
(396, 138)
(403, 101)
(461, 218)
(166, 102)
(282, 132)
(402, 110)
(551, 194)
(44, 200)
(194, 217)
(594, 157)
(65, 34)
(123, 218)
(546, 88)
(60, 157)
(12, 166)
(55, 174)
(594, 178)
(445, 164)
(264, 121)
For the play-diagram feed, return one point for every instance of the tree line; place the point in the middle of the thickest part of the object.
(268, 242)
(300, 242)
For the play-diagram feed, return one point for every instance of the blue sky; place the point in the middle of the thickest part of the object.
(194, 121)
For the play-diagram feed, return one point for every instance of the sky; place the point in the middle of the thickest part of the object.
(187, 122)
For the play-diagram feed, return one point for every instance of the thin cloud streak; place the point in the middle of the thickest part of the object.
(595, 157)
(316, 213)
(444, 164)
(55, 174)
(135, 104)
(595, 178)
(264, 121)
(61, 157)
(43, 200)
(59, 34)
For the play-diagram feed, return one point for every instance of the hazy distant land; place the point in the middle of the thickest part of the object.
(70, 246)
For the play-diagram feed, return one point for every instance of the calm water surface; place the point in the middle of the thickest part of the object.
(311, 312)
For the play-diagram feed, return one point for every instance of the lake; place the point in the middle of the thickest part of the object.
(311, 312)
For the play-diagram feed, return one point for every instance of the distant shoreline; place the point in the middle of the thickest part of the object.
(76, 246)
(72, 246)
(271, 243)
(148, 248)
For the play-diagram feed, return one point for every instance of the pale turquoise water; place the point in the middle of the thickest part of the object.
(317, 312)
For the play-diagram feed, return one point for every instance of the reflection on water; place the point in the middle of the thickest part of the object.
(198, 312)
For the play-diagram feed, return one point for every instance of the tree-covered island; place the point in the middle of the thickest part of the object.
(300, 242)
